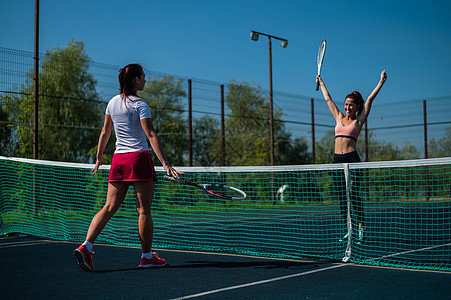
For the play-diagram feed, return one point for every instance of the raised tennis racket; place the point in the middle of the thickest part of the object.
(321, 52)
(218, 190)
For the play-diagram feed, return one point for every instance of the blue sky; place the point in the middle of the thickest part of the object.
(210, 40)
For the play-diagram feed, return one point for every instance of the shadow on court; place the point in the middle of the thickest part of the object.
(220, 264)
(35, 268)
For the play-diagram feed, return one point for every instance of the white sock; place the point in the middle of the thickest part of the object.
(88, 245)
(147, 255)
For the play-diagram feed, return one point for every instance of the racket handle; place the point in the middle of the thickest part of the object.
(317, 86)
(173, 179)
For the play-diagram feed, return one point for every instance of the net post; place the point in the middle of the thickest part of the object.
(190, 124)
(348, 216)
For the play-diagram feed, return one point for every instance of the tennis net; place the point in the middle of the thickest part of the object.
(290, 211)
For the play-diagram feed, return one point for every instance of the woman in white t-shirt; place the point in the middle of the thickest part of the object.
(131, 165)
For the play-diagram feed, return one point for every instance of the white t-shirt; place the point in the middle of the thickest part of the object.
(126, 116)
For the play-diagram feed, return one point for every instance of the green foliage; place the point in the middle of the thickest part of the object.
(206, 142)
(442, 146)
(69, 109)
(382, 151)
(164, 96)
(385, 151)
(247, 130)
(324, 149)
(6, 139)
(20, 113)
(292, 152)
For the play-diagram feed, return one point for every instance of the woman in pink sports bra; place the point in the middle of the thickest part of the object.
(347, 131)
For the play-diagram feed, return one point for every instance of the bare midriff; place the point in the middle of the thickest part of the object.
(344, 145)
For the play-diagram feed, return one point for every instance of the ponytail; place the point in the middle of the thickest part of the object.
(127, 76)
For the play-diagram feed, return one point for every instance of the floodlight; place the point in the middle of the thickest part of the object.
(254, 36)
(284, 44)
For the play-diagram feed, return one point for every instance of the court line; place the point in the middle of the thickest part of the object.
(22, 245)
(410, 251)
(23, 242)
(259, 282)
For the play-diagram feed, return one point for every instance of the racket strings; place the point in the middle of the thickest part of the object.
(222, 191)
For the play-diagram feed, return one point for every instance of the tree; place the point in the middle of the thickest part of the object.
(206, 142)
(442, 146)
(20, 113)
(292, 152)
(7, 144)
(247, 130)
(69, 109)
(324, 153)
(164, 96)
(383, 151)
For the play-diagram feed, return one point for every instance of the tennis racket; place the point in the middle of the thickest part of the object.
(321, 52)
(218, 190)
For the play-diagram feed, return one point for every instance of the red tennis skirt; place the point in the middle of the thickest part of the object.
(132, 166)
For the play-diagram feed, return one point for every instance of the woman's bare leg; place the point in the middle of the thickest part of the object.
(116, 195)
(144, 191)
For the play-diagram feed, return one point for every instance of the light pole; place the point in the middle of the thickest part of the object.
(284, 44)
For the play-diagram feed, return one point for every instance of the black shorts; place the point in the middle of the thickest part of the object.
(350, 157)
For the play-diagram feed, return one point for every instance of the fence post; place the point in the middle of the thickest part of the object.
(190, 125)
(366, 141)
(425, 130)
(425, 123)
(313, 130)
(222, 127)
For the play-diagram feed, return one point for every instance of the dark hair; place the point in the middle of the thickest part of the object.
(127, 77)
(358, 100)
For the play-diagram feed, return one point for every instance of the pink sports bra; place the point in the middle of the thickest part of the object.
(350, 131)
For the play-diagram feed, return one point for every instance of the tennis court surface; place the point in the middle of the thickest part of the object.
(285, 240)
(35, 268)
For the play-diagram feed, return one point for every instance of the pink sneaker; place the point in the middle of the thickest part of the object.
(155, 261)
(84, 258)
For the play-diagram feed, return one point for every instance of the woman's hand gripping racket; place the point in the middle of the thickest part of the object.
(321, 52)
(218, 190)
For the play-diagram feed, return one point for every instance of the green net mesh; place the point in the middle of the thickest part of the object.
(290, 211)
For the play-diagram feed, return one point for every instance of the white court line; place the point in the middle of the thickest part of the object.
(297, 275)
(259, 282)
(21, 245)
(410, 251)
